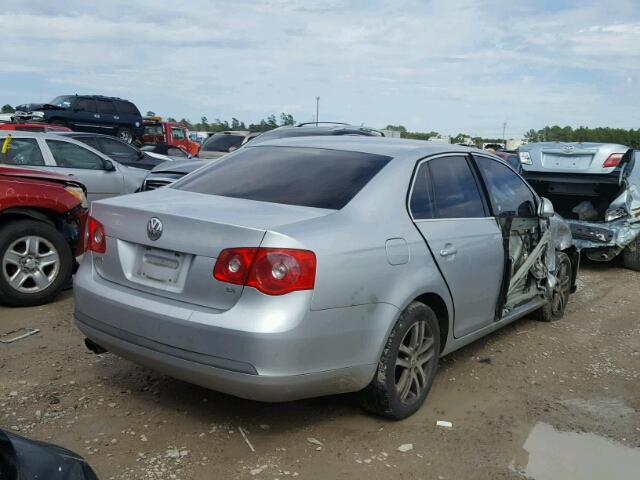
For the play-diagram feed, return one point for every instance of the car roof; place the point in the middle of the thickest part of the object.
(27, 134)
(100, 97)
(86, 134)
(392, 147)
(231, 132)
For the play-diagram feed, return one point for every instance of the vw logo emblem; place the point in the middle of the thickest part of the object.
(154, 228)
(567, 148)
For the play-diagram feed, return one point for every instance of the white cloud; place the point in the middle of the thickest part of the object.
(450, 66)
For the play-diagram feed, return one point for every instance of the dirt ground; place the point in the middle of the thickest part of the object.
(581, 374)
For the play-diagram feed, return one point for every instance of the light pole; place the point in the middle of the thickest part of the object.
(504, 127)
(317, 109)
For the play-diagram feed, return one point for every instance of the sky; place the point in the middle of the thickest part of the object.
(448, 66)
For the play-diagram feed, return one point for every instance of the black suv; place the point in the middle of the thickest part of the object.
(90, 113)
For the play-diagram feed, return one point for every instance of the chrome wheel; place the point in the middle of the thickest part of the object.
(30, 264)
(125, 135)
(415, 354)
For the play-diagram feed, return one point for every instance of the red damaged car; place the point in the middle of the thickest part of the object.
(42, 218)
(34, 127)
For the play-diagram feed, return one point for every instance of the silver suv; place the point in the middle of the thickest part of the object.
(595, 186)
(319, 265)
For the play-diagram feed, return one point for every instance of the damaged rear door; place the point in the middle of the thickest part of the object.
(524, 240)
(452, 215)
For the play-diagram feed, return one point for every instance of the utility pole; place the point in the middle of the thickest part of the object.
(317, 109)
(504, 128)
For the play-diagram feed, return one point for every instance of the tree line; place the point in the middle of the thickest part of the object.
(630, 137)
(459, 138)
(218, 125)
(555, 133)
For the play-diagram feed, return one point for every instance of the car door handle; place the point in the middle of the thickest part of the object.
(448, 251)
(96, 115)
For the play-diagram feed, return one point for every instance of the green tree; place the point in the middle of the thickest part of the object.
(287, 119)
(171, 119)
(7, 109)
(532, 136)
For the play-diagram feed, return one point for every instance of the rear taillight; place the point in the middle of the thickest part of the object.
(233, 265)
(613, 160)
(274, 271)
(94, 238)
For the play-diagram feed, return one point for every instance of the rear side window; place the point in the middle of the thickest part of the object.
(422, 195)
(445, 188)
(70, 155)
(91, 141)
(85, 105)
(127, 108)
(21, 151)
(309, 177)
(105, 106)
(222, 143)
(115, 147)
(508, 193)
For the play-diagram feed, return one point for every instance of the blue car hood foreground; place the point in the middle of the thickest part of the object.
(22, 459)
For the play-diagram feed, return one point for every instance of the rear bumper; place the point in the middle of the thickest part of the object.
(264, 388)
(264, 348)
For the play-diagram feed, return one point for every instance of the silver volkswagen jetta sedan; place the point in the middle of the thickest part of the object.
(312, 266)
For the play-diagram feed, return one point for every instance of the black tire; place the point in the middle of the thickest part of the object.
(631, 255)
(125, 134)
(14, 231)
(554, 309)
(381, 396)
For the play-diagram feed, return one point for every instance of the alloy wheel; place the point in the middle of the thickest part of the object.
(561, 290)
(415, 354)
(125, 135)
(30, 264)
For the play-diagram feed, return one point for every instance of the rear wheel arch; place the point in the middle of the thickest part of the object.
(439, 307)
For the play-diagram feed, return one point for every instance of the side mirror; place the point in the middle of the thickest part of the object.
(109, 166)
(545, 209)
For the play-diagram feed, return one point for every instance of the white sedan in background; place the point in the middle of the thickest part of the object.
(102, 176)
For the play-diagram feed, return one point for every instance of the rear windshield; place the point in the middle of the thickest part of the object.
(309, 177)
(127, 108)
(222, 143)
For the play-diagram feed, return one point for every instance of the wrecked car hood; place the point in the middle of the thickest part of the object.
(30, 107)
(624, 212)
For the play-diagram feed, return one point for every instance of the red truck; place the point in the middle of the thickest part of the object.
(42, 221)
(171, 133)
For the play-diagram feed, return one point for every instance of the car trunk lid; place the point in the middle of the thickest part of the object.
(568, 157)
(190, 231)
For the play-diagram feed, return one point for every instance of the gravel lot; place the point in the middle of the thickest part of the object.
(509, 396)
